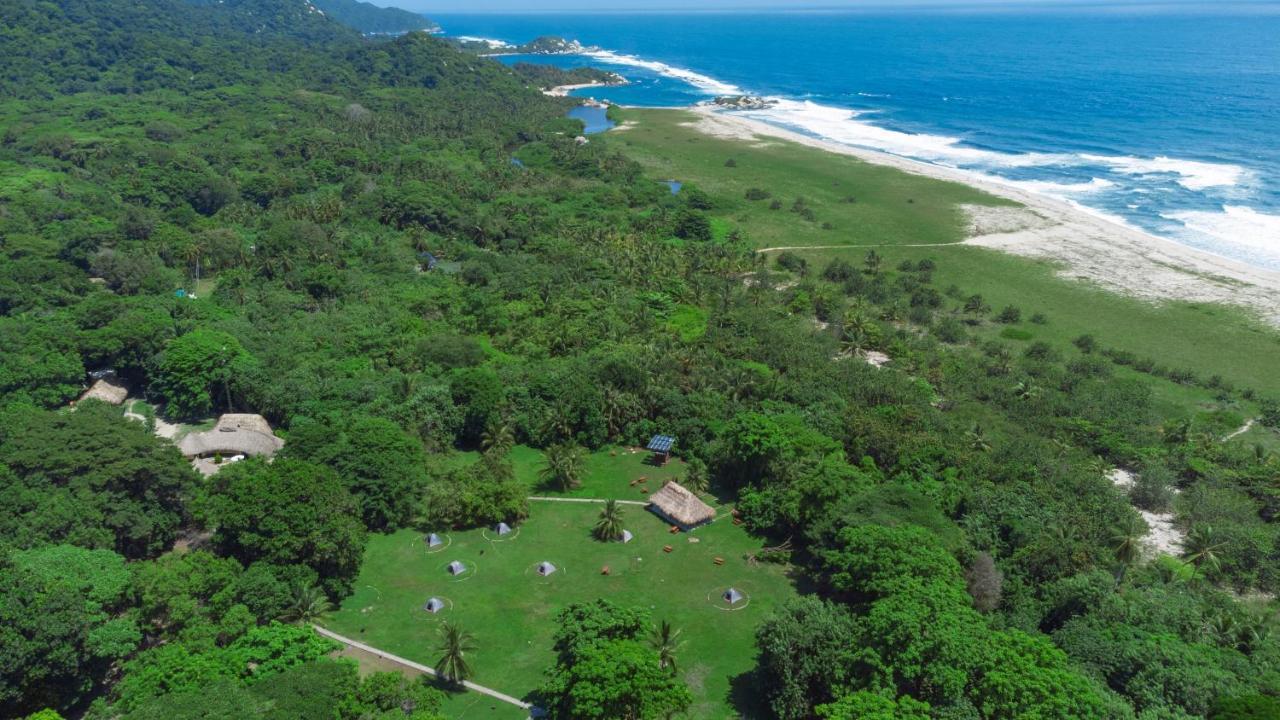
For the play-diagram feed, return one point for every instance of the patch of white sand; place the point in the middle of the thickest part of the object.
(1162, 537)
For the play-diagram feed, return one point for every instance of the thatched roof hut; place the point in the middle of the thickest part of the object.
(107, 389)
(235, 434)
(680, 507)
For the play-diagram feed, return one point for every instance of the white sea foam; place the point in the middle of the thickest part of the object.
(1052, 188)
(698, 80)
(1192, 174)
(495, 44)
(842, 125)
(1237, 226)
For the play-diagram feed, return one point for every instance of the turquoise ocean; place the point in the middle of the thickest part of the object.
(1165, 120)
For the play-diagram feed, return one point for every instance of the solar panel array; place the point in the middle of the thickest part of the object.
(661, 443)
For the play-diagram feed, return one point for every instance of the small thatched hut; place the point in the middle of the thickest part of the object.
(107, 389)
(680, 507)
(235, 434)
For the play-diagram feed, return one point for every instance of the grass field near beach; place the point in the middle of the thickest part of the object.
(898, 212)
(511, 610)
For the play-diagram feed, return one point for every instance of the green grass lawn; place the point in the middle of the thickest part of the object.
(1208, 339)
(610, 472)
(511, 610)
(888, 206)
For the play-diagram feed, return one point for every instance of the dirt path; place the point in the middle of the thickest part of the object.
(163, 429)
(1243, 429)
(855, 247)
(587, 500)
(419, 667)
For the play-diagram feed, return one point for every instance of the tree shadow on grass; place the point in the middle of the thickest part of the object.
(745, 696)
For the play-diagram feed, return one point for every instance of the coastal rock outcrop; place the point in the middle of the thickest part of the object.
(742, 102)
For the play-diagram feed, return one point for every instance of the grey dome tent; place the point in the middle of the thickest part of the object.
(434, 605)
(732, 596)
(627, 536)
(545, 568)
(502, 528)
(457, 568)
(433, 540)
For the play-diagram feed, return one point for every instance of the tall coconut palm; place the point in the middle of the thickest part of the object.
(454, 645)
(1201, 548)
(565, 466)
(666, 640)
(608, 526)
(1128, 546)
(308, 604)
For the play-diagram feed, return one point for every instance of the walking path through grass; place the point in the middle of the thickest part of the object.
(419, 667)
(847, 247)
(588, 500)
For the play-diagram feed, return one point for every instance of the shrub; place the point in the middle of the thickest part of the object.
(755, 194)
(788, 260)
(839, 270)
(1009, 315)
(1039, 319)
(775, 205)
(1270, 415)
(1086, 343)
(731, 163)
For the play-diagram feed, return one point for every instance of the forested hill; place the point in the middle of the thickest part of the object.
(369, 18)
(404, 259)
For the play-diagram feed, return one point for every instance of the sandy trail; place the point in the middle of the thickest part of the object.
(1088, 247)
(1243, 429)
(1162, 537)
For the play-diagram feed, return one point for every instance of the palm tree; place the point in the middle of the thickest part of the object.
(1128, 546)
(565, 464)
(696, 479)
(1200, 549)
(308, 605)
(609, 525)
(976, 305)
(666, 640)
(1025, 391)
(498, 438)
(454, 645)
(978, 439)
(872, 262)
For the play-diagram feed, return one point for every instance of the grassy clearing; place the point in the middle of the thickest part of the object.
(1208, 339)
(617, 473)
(511, 610)
(887, 206)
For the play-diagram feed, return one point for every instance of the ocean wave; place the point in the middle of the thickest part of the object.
(696, 79)
(1236, 225)
(1054, 188)
(1192, 174)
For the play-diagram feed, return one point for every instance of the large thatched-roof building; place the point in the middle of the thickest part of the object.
(235, 434)
(680, 507)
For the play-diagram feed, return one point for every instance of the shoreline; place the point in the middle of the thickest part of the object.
(564, 90)
(1089, 246)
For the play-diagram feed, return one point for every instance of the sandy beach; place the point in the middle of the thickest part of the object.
(564, 90)
(1088, 247)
